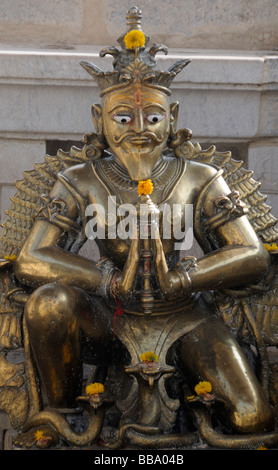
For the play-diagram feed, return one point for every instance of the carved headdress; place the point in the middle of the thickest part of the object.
(133, 62)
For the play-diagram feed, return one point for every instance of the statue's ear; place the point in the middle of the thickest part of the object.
(174, 112)
(97, 118)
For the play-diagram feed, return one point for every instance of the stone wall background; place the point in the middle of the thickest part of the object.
(202, 24)
(228, 94)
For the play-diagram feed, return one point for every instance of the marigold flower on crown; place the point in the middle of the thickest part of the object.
(134, 38)
(130, 67)
(145, 187)
(149, 356)
(202, 388)
(94, 388)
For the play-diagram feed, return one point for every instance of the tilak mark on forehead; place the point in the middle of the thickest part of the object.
(138, 95)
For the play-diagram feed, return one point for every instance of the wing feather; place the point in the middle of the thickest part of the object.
(28, 199)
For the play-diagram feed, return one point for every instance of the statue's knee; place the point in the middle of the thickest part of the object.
(250, 417)
(49, 306)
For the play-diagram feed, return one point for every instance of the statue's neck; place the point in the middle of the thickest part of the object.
(165, 176)
(158, 167)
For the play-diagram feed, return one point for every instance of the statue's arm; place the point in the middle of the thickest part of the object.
(240, 258)
(44, 259)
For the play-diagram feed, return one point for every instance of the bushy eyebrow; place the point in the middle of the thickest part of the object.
(149, 105)
(121, 105)
(155, 105)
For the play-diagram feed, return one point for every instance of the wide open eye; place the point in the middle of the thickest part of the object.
(154, 118)
(122, 118)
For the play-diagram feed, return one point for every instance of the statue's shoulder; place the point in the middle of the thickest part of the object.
(79, 164)
(84, 177)
(78, 175)
(200, 170)
(198, 175)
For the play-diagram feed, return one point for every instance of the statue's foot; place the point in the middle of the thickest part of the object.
(41, 437)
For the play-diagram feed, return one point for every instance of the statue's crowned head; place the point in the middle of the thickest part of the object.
(136, 117)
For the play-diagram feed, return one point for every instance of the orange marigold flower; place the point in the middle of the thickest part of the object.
(134, 38)
(39, 435)
(10, 257)
(145, 187)
(94, 388)
(202, 388)
(271, 246)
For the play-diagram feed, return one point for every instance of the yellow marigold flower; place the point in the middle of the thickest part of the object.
(149, 357)
(271, 246)
(10, 257)
(39, 435)
(145, 187)
(262, 448)
(134, 38)
(202, 388)
(94, 388)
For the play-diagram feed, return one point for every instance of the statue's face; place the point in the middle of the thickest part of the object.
(136, 124)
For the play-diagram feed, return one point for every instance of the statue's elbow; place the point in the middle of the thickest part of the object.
(22, 266)
(263, 261)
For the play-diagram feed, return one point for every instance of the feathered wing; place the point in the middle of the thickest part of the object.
(259, 212)
(29, 198)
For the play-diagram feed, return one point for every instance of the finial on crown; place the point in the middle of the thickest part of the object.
(134, 30)
(133, 18)
(133, 62)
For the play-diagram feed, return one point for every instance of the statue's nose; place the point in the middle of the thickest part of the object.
(138, 122)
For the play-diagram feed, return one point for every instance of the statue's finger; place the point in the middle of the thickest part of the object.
(159, 257)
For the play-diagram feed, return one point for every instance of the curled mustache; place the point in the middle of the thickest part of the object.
(129, 134)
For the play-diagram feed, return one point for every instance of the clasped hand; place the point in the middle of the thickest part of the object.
(172, 283)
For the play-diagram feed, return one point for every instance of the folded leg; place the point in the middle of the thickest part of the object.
(211, 352)
(60, 320)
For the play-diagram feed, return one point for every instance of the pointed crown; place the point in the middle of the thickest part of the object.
(133, 63)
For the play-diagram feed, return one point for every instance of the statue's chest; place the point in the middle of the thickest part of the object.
(113, 225)
(114, 218)
(114, 210)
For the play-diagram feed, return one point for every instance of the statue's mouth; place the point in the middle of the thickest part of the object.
(140, 140)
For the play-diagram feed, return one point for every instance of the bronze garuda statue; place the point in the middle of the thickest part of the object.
(142, 348)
